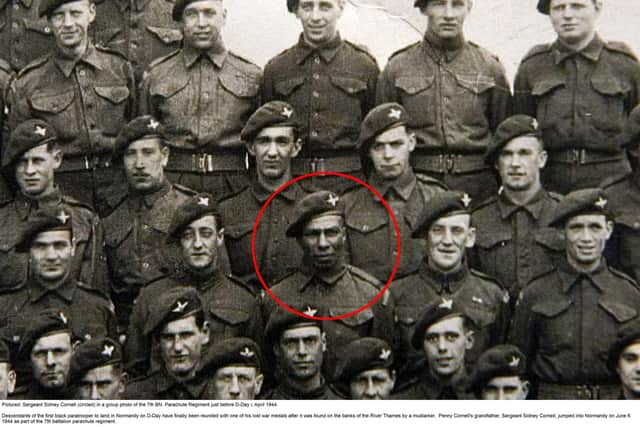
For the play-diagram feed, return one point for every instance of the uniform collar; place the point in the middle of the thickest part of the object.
(298, 394)
(569, 276)
(591, 51)
(194, 386)
(261, 194)
(342, 279)
(65, 290)
(25, 3)
(444, 283)
(191, 56)
(403, 185)
(148, 200)
(26, 205)
(433, 387)
(67, 65)
(126, 4)
(438, 50)
(327, 51)
(534, 206)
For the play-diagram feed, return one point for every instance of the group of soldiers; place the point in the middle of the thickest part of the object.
(177, 223)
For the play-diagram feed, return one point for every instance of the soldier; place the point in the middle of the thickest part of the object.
(32, 159)
(445, 226)
(271, 138)
(137, 228)
(566, 318)
(581, 89)
(444, 335)
(299, 345)
(624, 359)
(455, 92)
(386, 147)
(331, 83)
(365, 369)
(6, 75)
(195, 243)
(179, 330)
(84, 92)
(7, 374)
(96, 370)
(325, 278)
(141, 30)
(236, 365)
(204, 95)
(500, 374)
(512, 241)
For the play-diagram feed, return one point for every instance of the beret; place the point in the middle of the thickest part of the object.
(237, 351)
(318, 203)
(513, 127)
(441, 205)
(434, 313)
(47, 322)
(420, 3)
(177, 303)
(627, 334)
(633, 129)
(43, 220)
(543, 6)
(27, 135)
(292, 5)
(380, 119)
(281, 319)
(138, 128)
(361, 355)
(195, 208)
(500, 361)
(579, 202)
(47, 7)
(92, 354)
(274, 113)
(180, 6)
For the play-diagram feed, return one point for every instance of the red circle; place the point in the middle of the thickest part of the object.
(282, 188)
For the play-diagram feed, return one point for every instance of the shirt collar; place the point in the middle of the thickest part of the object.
(327, 51)
(569, 276)
(403, 185)
(437, 50)
(434, 386)
(296, 393)
(311, 280)
(291, 193)
(591, 51)
(195, 385)
(507, 207)
(25, 205)
(441, 282)
(67, 65)
(148, 200)
(191, 56)
(65, 290)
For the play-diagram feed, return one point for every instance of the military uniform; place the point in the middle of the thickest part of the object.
(582, 101)
(159, 385)
(204, 100)
(455, 100)
(332, 87)
(500, 361)
(429, 388)
(6, 75)
(284, 392)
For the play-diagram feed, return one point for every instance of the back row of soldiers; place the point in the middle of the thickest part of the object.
(178, 203)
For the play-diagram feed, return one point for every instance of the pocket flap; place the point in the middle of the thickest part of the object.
(231, 316)
(349, 85)
(114, 94)
(352, 321)
(551, 308)
(239, 85)
(488, 239)
(285, 87)
(169, 87)
(406, 316)
(37, 25)
(236, 231)
(550, 238)
(629, 220)
(544, 86)
(167, 35)
(620, 312)
(608, 85)
(113, 237)
(476, 83)
(52, 102)
(365, 222)
(413, 84)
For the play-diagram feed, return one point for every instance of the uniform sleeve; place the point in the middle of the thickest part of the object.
(145, 106)
(19, 110)
(267, 93)
(385, 89)
(521, 332)
(523, 101)
(372, 82)
(136, 353)
(500, 98)
(132, 107)
(94, 265)
(384, 324)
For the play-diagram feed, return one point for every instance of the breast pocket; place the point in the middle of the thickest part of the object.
(13, 266)
(227, 322)
(176, 101)
(57, 108)
(122, 256)
(609, 113)
(556, 330)
(473, 93)
(354, 326)
(368, 239)
(239, 98)
(238, 241)
(496, 253)
(112, 108)
(348, 97)
(552, 105)
(417, 95)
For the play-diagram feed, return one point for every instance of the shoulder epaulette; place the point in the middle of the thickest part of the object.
(283, 53)
(486, 202)
(187, 190)
(623, 276)
(73, 202)
(426, 179)
(546, 272)
(361, 274)
(34, 64)
(612, 180)
(620, 47)
(362, 48)
(242, 58)
(555, 196)
(105, 49)
(537, 50)
(162, 59)
(484, 276)
(4, 65)
(404, 49)
(233, 194)
(92, 291)
(238, 281)
(484, 50)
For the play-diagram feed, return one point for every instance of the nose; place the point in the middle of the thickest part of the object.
(500, 394)
(50, 253)
(447, 237)
(234, 388)
(30, 169)
(94, 392)
(302, 348)
(448, 10)
(177, 345)
(272, 150)
(197, 240)
(585, 234)
(315, 14)
(388, 152)
(67, 21)
(201, 20)
(370, 390)
(516, 160)
(50, 359)
(322, 240)
(139, 164)
(441, 345)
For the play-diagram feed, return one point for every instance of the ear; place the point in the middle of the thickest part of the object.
(259, 382)
(468, 340)
(205, 331)
(323, 340)
(598, 5)
(250, 149)
(610, 228)
(164, 151)
(57, 158)
(220, 238)
(543, 156)
(92, 12)
(393, 378)
(525, 388)
(11, 381)
(471, 238)
(412, 142)
(297, 146)
(469, 4)
(124, 379)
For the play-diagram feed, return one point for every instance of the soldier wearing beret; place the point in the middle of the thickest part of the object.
(624, 359)
(581, 89)
(513, 243)
(32, 159)
(444, 335)
(365, 369)
(137, 228)
(446, 228)
(331, 83)
(386, 146)
(203, 94)
(271, 139)
(299, 345)
(85, 92)
(6, 76)
(7, 374)
(566, 318)
(180, 333)
(456, 94)
(236, 366)
(96, 371)
(500, 374)
(335, 287)
(194, 254)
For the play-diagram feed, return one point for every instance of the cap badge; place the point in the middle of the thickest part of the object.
(40, 131)
(107, 351)
(246, 353)
(446, 303)
(310, 311)
(385, 354)
(203, 201)
(63, 318)
(395, 114)
(180, 306)
(63, 217)
(466, 200)
(601, 202)
(287, 112)
(534, 124)
(515, 361)
(153, 124)
(333, 200)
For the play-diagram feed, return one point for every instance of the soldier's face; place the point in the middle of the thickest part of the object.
(201, 242)
(101, 383)
(574, 20)
(505, 388)
(519, 163)
(35, 170)
(181, 344)
(319, 19)
(447, 240)
(373, 384)
(237, 383)
(446, 17)
(144, 163)
(445, 345)
(628, 369)
(70, 23)
(300, 352)
(586, 237)
(273, 148)
(202, 23)
(390, 152)
(51, 253)
(50, 360)
(7, 380)
(323, 242)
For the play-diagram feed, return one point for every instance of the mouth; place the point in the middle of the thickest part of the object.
(444, 361)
